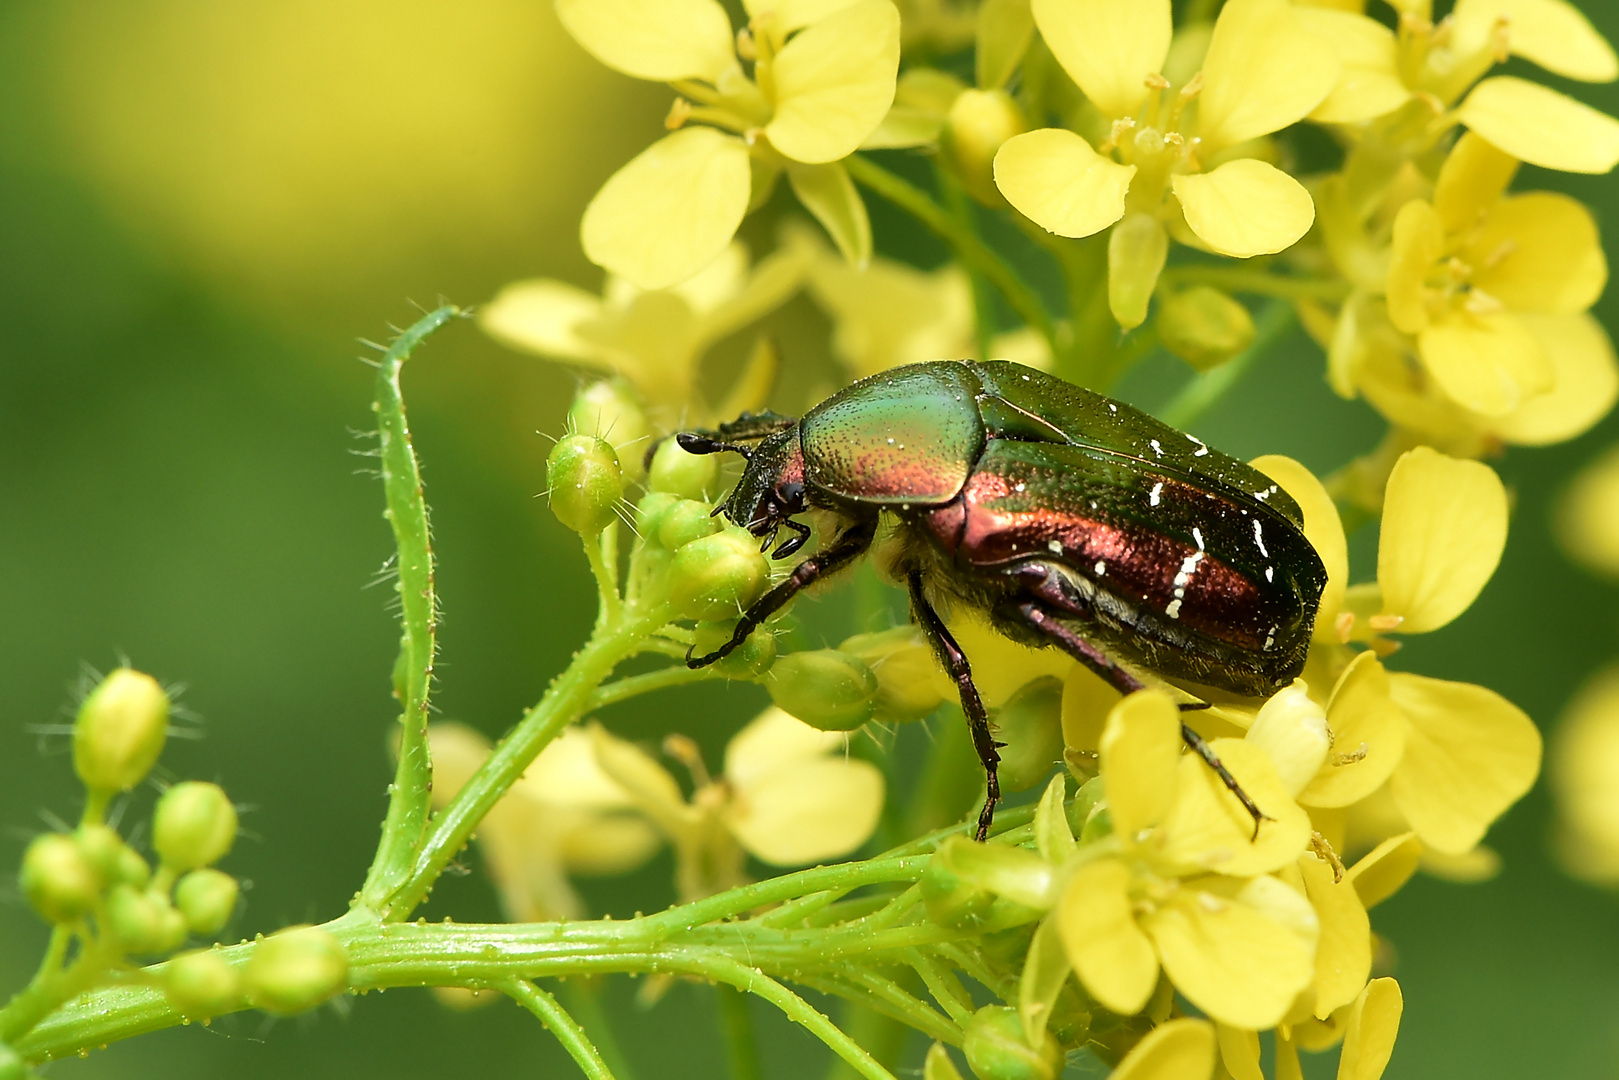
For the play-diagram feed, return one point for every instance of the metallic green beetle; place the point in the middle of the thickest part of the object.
(1069, 519)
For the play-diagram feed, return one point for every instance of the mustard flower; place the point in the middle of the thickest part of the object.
(1588, 518)
(1585, 778)
(789, 796)
(1174, 154)
(563, 816)
(823, 76)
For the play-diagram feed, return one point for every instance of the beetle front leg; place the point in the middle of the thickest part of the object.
(956, 665)
(850, 546)
(1060, 634)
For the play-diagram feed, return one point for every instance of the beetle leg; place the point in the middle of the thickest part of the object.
(848, 547)
(956, 665)
(1063, 636)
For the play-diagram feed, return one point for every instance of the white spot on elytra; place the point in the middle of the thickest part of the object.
(1270, 573)
(1157, 491)
(1259, 538)
(1202, 448)
(1020, 487)
(1101, 568)
(1159, 450)
(1025, 378)
(1112, 407)
(1270, 638)
(1174, 608)
(1197, 537)
(1054, 546)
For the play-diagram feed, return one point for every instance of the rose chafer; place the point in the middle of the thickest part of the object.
(1069, 519)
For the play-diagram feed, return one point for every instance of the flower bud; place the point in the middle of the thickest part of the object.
(206, 898)
(1204, 326)
(717, 576)
(58, 880)
(684, 522)
(979, 122)
(750, 659)
(193, 825)
(996, 1048)
(610, 411)
(1136, 251)
(173, 931)
(1030, 724)
(202, 984)
(1083, 808)
(1013, 872)
(824, 688)
(12, 1066)
(586, 483)
(120, 731)
(907, 687)
(136, 918)
(103, 847)
(650, 510)
(952, 900)
(294, 970)
(691, 476)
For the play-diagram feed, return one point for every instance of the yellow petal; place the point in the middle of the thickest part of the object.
(1245, 207)
(1045, 972)
(1475, 174)
(1369, 82)
(1001, 666)
(541, 316)
(1005, 28)
(653, 39)
(773, 740)
(1263, 72)
(1343, 956)
(1385, 869)
(1368, 736)
(727, 308)
(1293, 730)
(566, 774)
(1108, 47)
(808, 811)
(458, 751)
(1369, 1038)
(1140, 751)
(785, 16)
(1239, 1053)
(1419, 241)
(1444, 526)
(834, 82)
(1469, 754)
(1585, 778)
(1552, 33)
(1539, 252)
(1086, 702)
(1588, 520)
(1235, 963)
(1057, 181)
(1206, 828)
(1111, 955)
(605, 846)
(639, 774)
(1541, 126)
(672, 210)
(1179, 1050)
(1322, 527)
(1585, 387)
(1489, 363)
(827, 192)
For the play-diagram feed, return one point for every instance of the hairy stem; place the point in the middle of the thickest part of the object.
(563, 1026)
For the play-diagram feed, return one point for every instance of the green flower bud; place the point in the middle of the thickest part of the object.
(120, 732)
(611, 412)
(691, 476)
(206, 898)
(952, 900)
(824, 688)
(1136, 251)
(12, 1066)
(132, 869)
(114, 860)
(137, 919)
(752, 658)
(174, 931)
(193, 825)
(979, 122)
(1090, 796)
(202, 984)
(717, 576)
(1204, 326)
(294, 970)
(585, 481)
(1030, 724)
(58, 880)
(686, 521)
(650, 510)
(996, 1049)
(906, 670)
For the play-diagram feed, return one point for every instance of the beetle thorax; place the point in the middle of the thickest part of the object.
(772, 488)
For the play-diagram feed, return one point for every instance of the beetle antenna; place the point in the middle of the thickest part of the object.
(693, 443)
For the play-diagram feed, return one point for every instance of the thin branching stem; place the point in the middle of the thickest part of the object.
(741, 1041)
(562, 1025)
(1203, 391)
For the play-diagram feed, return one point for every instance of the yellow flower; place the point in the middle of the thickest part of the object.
(1240, 948)
(1173, 152)
(563, 816)
(651, 338)
(823, 75)
(789, 796)
(1588, 520)
(1585, 776)
(1182, 1049)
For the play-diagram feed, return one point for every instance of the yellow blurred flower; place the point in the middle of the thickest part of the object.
(1588, 518)
(1173, 153)
(563, 816)
(1585, 777)
(789, 796)
(653, 339)
(823, 74)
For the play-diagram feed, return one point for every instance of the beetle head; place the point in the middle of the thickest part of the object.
(771, 490)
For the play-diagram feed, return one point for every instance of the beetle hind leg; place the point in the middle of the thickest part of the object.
(960, 671)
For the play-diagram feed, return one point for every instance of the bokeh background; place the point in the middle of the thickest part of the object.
(203, 206)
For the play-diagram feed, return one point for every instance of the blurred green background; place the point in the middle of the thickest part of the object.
(203, 205)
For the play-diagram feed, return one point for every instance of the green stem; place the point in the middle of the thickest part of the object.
(601, 552)
(973, 252)
(737, 1021)
(408, 804)
(564, 1027)
(960, 209)
(52, 985)
(583, 1000)
(635, 685)
(1203, 391)
(1246, 279)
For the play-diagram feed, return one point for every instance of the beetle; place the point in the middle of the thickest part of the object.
(1069, 519)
